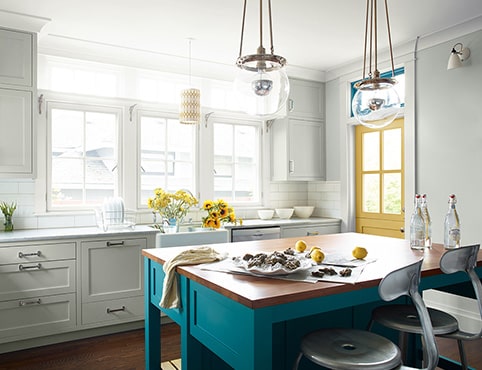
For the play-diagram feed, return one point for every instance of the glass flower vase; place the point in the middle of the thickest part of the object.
(8, 223)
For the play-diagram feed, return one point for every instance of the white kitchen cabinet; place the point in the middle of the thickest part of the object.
(37, 289)
(310, 230)
(306, 99)
(297, 150)
(17, 91)
(112, 280)
(16, 156)
(297, 146)
(54, 284)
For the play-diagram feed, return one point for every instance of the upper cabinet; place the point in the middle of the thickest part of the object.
(16, 64)
(298, 140)
(17, 92)
(306, 99)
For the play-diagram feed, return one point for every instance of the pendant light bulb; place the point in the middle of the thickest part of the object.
(376, 103)
(261, 83)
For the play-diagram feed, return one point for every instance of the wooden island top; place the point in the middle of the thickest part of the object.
(255, 292)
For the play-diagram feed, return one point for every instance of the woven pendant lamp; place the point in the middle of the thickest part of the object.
(190, 105)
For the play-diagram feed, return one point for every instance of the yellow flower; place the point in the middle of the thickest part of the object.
(172, 205)
(219, 212)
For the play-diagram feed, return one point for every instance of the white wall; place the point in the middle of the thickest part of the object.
(449, 135)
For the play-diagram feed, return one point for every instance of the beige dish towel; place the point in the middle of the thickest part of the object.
(170, 297)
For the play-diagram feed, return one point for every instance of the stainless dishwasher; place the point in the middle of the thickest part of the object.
(255, 233)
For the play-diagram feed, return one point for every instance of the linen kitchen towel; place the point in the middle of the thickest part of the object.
(170, 296)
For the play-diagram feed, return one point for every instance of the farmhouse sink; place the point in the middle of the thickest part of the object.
(191, 235)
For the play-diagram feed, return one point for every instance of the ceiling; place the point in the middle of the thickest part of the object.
(316, 35)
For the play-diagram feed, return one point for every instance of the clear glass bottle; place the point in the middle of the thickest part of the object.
(428, 222)
(452, 225)
(417, 226)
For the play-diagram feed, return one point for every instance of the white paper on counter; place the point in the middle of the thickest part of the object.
(227, 266)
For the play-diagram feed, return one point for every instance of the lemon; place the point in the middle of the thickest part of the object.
(300, 246)
(359, 253)
(314, 247)
(317, 255)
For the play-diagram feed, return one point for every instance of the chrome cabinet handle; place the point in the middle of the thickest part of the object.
(26, 303)
(291, 166)
(23, 268)
(111, 310)
(311, 233)
(291, 105)
(113, 244)
(22, 255)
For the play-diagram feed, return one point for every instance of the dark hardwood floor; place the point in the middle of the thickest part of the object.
(125, 351)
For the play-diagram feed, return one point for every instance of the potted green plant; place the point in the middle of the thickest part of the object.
(8, 210)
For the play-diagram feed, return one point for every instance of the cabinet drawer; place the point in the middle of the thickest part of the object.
(291, 232)
(27, 318)
(36, 252)
(33, 279)
(116, 310)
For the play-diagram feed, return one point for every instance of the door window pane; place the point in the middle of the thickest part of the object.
(371, 151)
(392, 149)
(392, 193)
(371, 193)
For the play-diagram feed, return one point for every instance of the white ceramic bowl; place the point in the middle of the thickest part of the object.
(284, 212)
(265, 214)
(304, 211)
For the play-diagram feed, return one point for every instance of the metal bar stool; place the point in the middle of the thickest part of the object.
(404, 318)
(347, 349)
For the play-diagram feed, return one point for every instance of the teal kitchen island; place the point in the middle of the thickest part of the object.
(242, 322)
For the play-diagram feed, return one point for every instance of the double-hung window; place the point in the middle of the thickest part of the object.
(237, 169)
(167, 154)
(84, 155)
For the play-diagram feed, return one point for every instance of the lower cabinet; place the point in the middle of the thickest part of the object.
(112, 280)
(55, 289)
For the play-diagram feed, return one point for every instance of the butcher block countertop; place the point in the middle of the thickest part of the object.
(256, 292)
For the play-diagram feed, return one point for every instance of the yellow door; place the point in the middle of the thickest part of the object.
(380, 180)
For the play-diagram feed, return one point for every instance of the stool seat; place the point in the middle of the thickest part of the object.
(346, 349)
(404, 318)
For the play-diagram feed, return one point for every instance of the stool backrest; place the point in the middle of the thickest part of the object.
(405, 282)
(465, 259)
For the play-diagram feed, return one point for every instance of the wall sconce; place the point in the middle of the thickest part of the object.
(458, 55)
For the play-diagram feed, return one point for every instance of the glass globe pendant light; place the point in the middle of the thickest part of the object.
(376, 103)
(261, 83)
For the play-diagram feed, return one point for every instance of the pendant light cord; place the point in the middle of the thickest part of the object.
(270, 26)
(242, 29)
(190, 40)
(371, 39)
(389, 38)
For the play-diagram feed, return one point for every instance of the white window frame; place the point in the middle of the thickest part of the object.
(76, 106)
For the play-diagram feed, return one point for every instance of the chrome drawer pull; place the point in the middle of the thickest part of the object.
(22, 267)
(113, 244)
(311, 233)
(123, 308)
(26, 303)
(22, 255)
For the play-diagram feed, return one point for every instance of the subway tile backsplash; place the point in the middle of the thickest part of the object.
(324, 195)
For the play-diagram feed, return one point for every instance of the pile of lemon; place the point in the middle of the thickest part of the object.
(317, 255)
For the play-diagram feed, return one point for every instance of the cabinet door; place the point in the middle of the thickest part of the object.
(16, 132)
(306, 148)
(112, 269)
(16, 49)
(306, 99)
